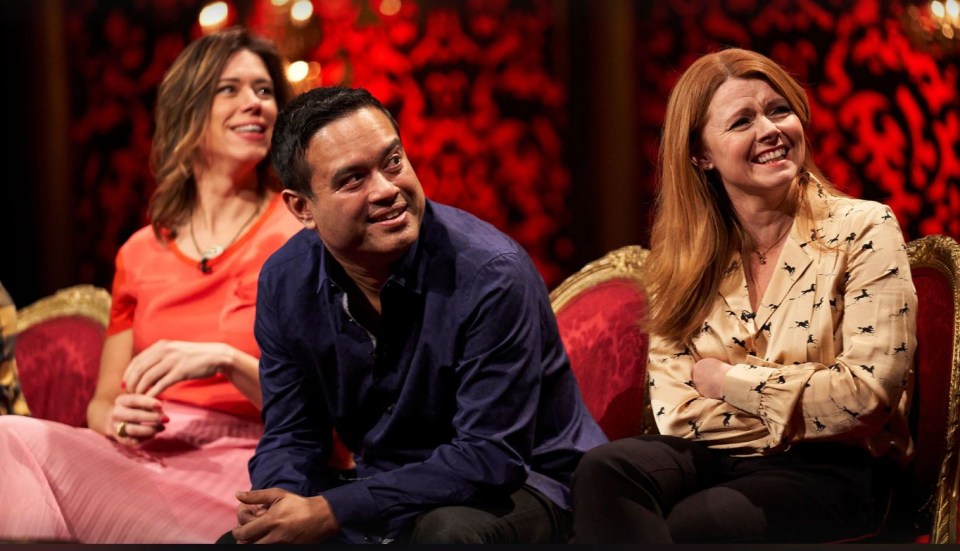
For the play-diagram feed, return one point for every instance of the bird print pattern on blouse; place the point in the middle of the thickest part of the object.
(827, 355)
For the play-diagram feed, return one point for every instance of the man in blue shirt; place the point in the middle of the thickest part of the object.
(422, 335)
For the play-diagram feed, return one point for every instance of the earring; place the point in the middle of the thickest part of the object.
(702, 164)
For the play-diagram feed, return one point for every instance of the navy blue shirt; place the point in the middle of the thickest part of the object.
(461, 395)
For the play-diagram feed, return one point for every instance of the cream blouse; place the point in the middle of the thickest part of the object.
(827, 356)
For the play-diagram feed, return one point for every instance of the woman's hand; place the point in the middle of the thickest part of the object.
(135, 418)
(708, 375)
(167, 362)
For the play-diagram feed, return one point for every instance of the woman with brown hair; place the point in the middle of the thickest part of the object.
(175, 415)
(782, 332)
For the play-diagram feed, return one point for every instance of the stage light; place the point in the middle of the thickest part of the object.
(213, 16)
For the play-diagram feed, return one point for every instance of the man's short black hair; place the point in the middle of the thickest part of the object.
(302, 118)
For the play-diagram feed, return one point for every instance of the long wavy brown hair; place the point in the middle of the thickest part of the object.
(695, 231)
(183, 108)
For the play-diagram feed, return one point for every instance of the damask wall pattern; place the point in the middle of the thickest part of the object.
(885, 107)
(477, 88)
(474, 86)
(117, 54)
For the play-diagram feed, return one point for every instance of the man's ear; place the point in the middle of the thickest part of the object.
(299, 206)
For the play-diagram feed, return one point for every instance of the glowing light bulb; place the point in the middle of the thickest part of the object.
(213, 15)
(390, 7)
(279, 3)
(297, 71)
(936, 8)
(301, 11)
(953, 9)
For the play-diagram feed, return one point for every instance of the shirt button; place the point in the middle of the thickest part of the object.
(390, 408)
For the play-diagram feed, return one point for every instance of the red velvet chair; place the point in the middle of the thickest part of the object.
(59, 343)
(600, 312)
(928, 500)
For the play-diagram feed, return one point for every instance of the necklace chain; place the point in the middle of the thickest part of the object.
(763, 254)
(214, 251)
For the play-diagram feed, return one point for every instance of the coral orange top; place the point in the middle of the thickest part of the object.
(160, 293)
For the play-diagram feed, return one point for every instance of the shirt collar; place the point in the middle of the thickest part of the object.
(409, 272)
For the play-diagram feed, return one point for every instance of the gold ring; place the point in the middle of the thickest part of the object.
(122, 429)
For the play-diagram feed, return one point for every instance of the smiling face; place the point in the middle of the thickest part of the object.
(367, 203)
(752, 138)
(243, 113)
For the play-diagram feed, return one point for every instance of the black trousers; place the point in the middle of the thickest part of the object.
(660, 489)
(526, 516)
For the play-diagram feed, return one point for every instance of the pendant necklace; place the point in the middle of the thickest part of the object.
(763, 254)
(213, 251)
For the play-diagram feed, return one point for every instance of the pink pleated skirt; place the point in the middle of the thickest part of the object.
(61, 483)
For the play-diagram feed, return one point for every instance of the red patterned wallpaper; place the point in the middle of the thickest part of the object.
(885, 109)
(473, 86)
(484, 109)
(117, 54)
(480, 104)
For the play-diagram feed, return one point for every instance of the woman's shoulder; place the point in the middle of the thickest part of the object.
(851, 212)
(141, 240)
